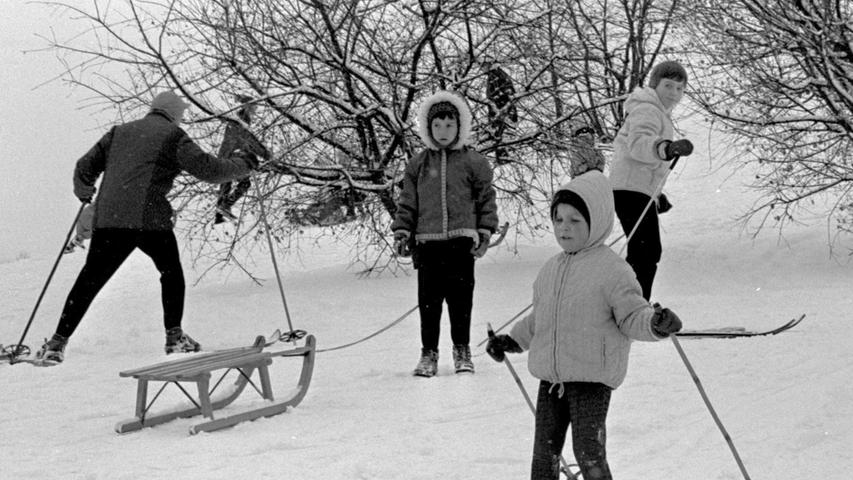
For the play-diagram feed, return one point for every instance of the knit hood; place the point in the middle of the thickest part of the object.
(595, 190)
(643, 95)
(465, 120)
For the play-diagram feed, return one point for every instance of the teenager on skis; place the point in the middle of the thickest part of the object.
(445, 217)
(587, 308)
(139, 161)
(642, 152)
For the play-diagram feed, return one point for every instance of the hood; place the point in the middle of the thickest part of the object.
(596, 192)
(465, 119)
(643, 95)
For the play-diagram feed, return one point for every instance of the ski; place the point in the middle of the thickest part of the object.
(739, 332)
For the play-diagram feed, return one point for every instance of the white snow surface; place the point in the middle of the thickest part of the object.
(785, 400)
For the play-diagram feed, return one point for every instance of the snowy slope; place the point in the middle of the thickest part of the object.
(785, 400)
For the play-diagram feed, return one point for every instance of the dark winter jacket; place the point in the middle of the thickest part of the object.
(140, 161)
(447, 192)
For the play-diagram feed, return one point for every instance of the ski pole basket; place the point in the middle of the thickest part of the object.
(198, 369)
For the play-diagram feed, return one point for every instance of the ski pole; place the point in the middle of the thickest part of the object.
(293, 334)
(524, 393)
(710, 407)
(658, 189)
(20, 344)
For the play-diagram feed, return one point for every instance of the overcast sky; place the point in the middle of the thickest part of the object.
(43, 131)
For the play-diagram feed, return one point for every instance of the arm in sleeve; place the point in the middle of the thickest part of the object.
(485, 196)
(193, 160)
(632, 312)
(405, 219)
(90, 166)
(522, 332)
(644, 134)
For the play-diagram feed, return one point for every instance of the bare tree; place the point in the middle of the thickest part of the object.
(779, 75)
(337, 84)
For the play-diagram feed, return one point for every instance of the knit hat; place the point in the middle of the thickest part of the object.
(669, 69)
(170, 104)
(442, 108)
(570, 198)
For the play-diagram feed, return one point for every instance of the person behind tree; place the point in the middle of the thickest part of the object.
(237, 138)
(584, 155)
(642, 152)
(139, 161)
(499, 92)
(445, 217)
(587, 308)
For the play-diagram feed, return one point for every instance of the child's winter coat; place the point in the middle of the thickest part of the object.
(447, 192)
(636, 165)
(587, 306)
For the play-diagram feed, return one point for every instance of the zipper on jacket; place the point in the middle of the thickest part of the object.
(444, 215)
(563, 267)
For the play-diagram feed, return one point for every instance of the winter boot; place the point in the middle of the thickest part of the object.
(179, 342)
(462, 359)
(428, 365)
(53, 351)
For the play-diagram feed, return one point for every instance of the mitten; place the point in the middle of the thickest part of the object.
(401, 244)
(663, 204)
(678, 148)
(665, 322)
(85, 193)
(250, 159)
(480, 249)
(498, 345)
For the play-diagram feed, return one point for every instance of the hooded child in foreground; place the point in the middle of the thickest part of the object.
(587, 308)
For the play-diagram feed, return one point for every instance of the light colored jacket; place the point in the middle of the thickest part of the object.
(636, 165)
(447, 192)
(587, 306)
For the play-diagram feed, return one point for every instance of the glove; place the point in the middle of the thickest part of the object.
(480, 249)
(249, 158)
(86, 193)
(663, 204)
(678, 148)
(500, 344)
(401, 244)
(665, 321)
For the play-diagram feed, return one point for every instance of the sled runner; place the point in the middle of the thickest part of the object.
(198, 369)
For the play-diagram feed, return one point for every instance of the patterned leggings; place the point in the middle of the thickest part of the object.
(584, 406)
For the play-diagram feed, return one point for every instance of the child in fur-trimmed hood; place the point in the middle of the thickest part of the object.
(445, 216)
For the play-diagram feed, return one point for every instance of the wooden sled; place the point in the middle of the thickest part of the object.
(198, 368)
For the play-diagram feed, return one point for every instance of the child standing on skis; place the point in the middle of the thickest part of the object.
(445, 217)
(642, 152)
(587, 308)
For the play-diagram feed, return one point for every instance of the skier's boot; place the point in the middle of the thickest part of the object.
(428, 365)
(462, 359)
(179, 342)
(53, 351)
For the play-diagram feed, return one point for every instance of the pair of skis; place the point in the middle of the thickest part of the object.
(740, 332)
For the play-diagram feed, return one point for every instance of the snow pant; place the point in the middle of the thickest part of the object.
(109, 249)
(644, 247)
(445, 273)
(582, 405)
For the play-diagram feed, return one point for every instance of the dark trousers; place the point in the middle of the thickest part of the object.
(109, 249)
(584, 407)
(644, 247)
(445, 273)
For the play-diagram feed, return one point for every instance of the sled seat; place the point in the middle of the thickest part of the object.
(199, 369)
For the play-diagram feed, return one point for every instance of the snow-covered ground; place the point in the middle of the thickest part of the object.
(787, 400)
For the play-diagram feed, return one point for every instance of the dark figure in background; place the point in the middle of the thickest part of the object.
(499, 92)
(237, 138)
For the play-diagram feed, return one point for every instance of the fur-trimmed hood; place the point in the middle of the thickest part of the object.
(465, 119)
